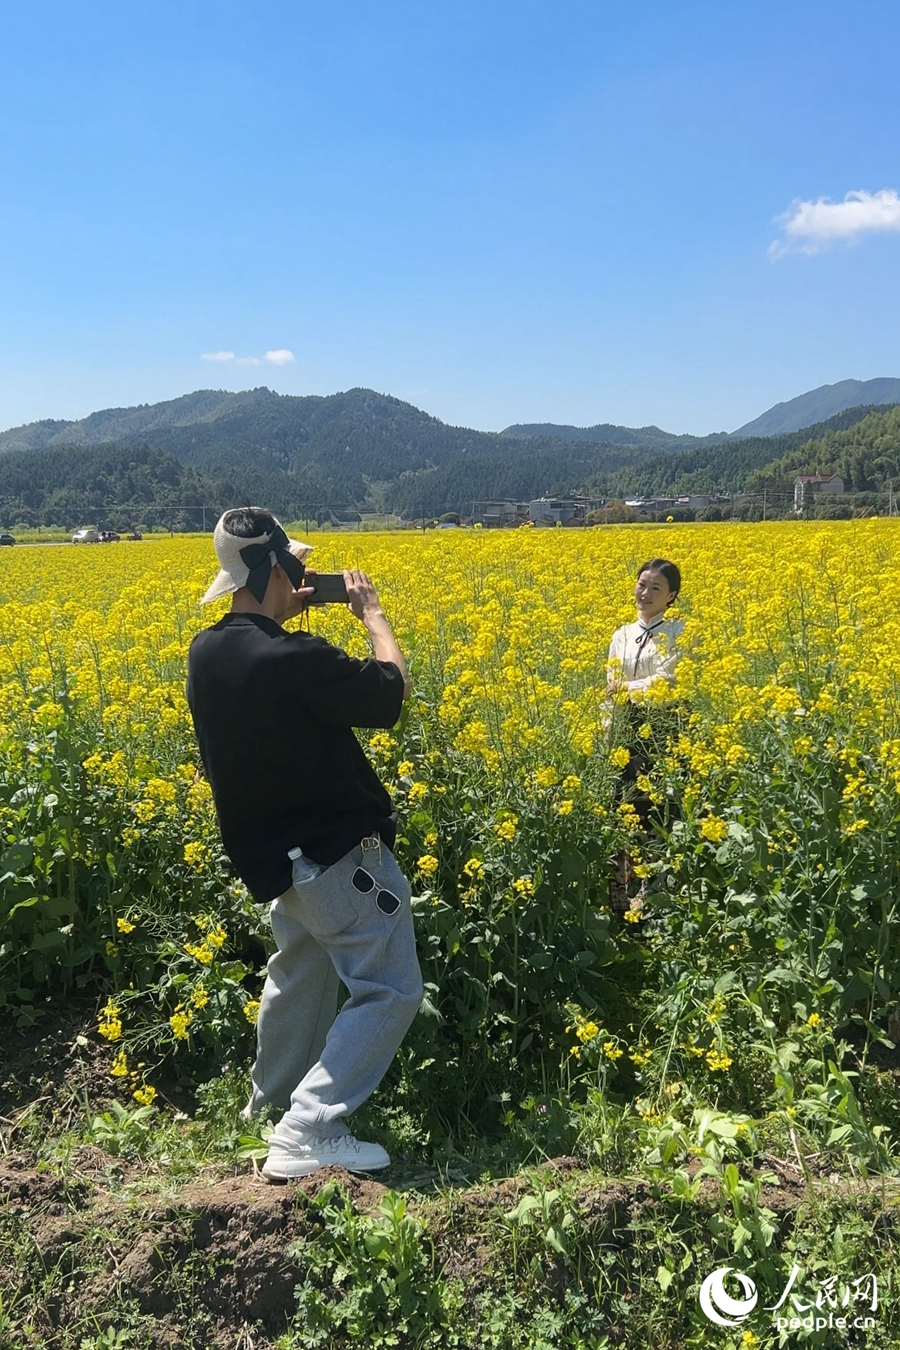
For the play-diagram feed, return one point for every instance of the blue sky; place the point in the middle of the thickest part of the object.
(499, 211)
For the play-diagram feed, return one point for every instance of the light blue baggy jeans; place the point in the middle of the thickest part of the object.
(319, 1066)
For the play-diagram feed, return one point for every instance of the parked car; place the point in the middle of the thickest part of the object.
(6, 538)
(109, 537)
(135, 534)
(88, 536)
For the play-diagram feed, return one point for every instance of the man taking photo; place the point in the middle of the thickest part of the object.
(273, 712)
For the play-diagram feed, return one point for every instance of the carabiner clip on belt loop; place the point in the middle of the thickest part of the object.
(372, 844)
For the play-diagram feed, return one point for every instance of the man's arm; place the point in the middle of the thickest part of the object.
(363, 602)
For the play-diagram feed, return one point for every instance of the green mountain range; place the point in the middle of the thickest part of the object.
(820, 404)
(363, 450)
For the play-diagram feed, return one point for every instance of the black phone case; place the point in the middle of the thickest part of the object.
(330, 589)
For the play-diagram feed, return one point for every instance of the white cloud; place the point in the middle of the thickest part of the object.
(811, 227)
(280, 357)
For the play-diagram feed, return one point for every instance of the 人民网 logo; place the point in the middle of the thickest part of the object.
(719, 1306)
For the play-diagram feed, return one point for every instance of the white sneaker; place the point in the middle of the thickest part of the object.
(297, 1153)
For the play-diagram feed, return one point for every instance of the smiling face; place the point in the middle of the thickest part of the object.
(652, 593)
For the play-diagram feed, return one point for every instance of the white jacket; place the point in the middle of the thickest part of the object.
(647, 652)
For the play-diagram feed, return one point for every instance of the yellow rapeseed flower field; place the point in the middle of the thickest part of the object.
(508, 631)
(784, 764)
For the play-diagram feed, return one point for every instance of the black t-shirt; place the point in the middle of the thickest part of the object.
(273, 713)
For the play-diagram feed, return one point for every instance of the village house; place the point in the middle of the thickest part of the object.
(821, 484)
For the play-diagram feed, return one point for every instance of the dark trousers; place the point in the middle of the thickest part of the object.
(664, 719)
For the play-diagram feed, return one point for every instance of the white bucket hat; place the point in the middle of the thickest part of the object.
(248, 562)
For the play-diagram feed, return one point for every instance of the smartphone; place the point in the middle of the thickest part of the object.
(330, 588)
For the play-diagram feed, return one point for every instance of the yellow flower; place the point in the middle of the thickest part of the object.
(813, 1020)
(620, 756)
(119, 1067)
(251, 1011)
(645, 730)
(587, 1031)
(473, 868)
(200, 953)
(405, 768)
(110, 1023)
(179, 1022)
(200, 997)
(505, 830)
(112, 949)
(196, 854)
(612, 1051)
(427, 864)
(215, 936)
(571, 783)
(564, 808)
(144, 1094)
(417, 793)
(124, 926)
(718, 1062)
(523, 886)
(713, 828)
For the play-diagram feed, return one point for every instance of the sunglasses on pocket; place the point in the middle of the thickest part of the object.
(364, 882)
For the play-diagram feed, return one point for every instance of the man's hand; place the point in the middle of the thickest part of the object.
(363, 602)
(299, 600)
(362, 598)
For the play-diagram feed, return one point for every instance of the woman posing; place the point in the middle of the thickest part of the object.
(640, 654)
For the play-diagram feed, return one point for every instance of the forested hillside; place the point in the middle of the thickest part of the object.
(364, 451)
(866, 455)
(605, 433)
(734, 466)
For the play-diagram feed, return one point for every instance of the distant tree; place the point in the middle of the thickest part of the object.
(615, 513)
(709, 513)
(450, 518)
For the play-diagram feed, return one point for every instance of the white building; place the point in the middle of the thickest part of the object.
(822, 484)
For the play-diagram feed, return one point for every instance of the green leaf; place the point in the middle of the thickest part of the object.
(573, 865)
(17, 857)
(25, 904)
(528, 1202)
(554, 1238)
(664, 1278)
(44, 941)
